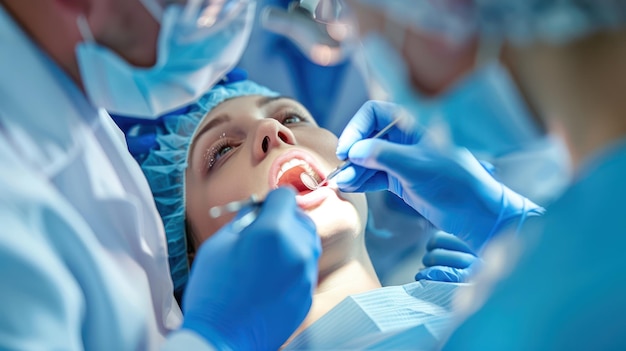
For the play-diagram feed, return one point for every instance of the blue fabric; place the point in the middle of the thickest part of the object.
(556, 21)
(567, 290)
(520, 21)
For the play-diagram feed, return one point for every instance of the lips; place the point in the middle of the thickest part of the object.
(288, 168)
(292, 173)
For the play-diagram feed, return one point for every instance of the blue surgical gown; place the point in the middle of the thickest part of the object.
(83, 256)
(568, 289)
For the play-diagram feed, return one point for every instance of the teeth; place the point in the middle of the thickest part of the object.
(297, 163)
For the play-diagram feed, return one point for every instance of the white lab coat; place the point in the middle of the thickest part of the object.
(83, 256)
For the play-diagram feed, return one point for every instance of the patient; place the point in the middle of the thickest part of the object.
(243, 139)
(254, 143)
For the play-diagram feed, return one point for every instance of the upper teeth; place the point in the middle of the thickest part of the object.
(297, 163)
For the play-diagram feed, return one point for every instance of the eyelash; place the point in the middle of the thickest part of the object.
(212, 155)
(283, 116)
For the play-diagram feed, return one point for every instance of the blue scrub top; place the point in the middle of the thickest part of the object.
(568, 290)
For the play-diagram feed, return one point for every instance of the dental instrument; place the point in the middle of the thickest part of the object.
(234, 206)
(312, 184)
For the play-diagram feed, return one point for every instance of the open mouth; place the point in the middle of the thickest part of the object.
(293, 171)
(296, 168)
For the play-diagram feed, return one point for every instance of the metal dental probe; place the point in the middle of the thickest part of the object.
(347, 163)
(235, 206)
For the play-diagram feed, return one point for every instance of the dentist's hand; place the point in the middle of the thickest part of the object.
(447, 259)
(250, 290)
(448, 187)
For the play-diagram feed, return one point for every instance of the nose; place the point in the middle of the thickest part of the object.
(270, 134)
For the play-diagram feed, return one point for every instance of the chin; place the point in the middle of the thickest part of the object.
(341, 217)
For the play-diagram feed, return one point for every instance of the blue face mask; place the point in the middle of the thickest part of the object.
(189, 63)
(484, 111)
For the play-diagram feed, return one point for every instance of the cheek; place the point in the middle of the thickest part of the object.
(321, 141)
(202, 196)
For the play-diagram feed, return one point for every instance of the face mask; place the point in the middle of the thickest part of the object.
(190, 60)
(484, 111)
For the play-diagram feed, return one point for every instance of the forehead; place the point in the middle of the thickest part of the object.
(236, 106)
(246, 107)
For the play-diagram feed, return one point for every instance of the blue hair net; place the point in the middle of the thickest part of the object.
(520, 21)
(553, 21)
(164, 167)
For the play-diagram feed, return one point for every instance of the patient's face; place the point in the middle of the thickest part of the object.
(253, 144)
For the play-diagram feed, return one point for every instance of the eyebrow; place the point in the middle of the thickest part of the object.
(268, 99)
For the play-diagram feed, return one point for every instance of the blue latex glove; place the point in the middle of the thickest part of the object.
(448, 259)
(448, 187)
(251, 290)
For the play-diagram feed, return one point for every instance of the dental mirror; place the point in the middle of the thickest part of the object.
(308, 181)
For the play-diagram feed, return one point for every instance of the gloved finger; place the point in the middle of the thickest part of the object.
(488, 166)
(281, 203)
(442, 257)
(385, 156)
(215, 247)
(299, 293)
(360, 179)
(375, 182)
(371, 117)
(443, 274)
(316, 241)
(297, 230)
(443, 240)
(346, 177)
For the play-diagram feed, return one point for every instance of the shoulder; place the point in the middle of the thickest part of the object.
(568, 283)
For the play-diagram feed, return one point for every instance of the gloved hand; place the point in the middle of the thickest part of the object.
(250, 290)
(448, 186)
(448, 259)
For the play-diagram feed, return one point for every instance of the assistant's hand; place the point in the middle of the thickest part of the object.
(447, 186)
(250, 290)
(448, 259)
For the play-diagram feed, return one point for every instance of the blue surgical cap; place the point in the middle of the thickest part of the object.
(552, 21)
(165, 165)
(520, 21)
